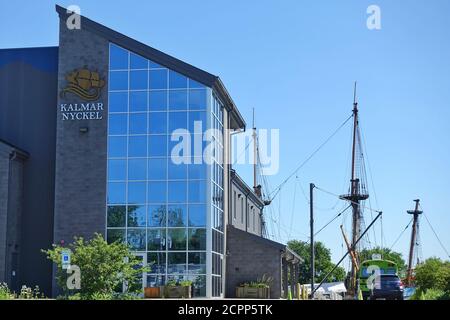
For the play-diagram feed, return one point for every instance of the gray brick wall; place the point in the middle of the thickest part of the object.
(250, 257)
(4, 187)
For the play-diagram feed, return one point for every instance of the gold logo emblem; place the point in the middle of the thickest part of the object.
(84, 83)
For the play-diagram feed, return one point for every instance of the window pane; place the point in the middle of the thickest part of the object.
(197, 191)
(197, 99)
(118, 124)
(157, 192)
(157, 146)
(138, 123)
(197, 171)
(116, 193)
(197, 239)
(154, 65)
(197, 262)
(157, 169)
(117, 170)
(177, 215)
(195, 84)
(137, 216)
(197, 119)
(177, 192)
(176, 239)
(158, 79)
(156, 239)
(158, 100)
(116, 235)
(118, 58)
(136, 192)
(158, 123)
(138, 62)
(176, 80)
(118, 80)
(137, 169)
(177, 120)
(178, 100)
(117, 147)
(139, 80)
(138, 101)
(136, 239)
(137, 146)
(116, 217)
(118, 102)
(177, 171)
(157, 216)
(197, 215)
(176, 262)
(157, 261)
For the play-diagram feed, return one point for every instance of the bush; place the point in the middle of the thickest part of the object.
(5, 293)
(430, 294)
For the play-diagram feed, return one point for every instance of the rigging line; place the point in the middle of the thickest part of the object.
(331, 221)
(293, 209)
(277, 190)
(353, 202)
(243, 151)
(401, 233)
(437, 237)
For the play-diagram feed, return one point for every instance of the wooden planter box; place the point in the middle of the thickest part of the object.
(152, 292)
(177, 292)
(252, 293)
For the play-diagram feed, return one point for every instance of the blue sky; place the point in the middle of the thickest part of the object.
(295, 62)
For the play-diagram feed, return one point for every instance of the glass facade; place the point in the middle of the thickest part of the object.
(165, 203)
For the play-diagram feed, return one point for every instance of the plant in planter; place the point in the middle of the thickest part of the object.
(259, 289)
(178, 290)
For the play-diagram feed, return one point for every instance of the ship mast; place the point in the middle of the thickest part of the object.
(413, 245)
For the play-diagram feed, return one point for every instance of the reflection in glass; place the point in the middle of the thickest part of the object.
(136, 192)
(138, 101)
(158, 100)
(137, 216)
(156, 281)
(137, 146)
(116, 193)
(117, 170)
(158, 79)
(138, 62)
(115, 235)
(177, 215)
(177, 120)
(176, 80)
(157, 262)
(157, 192)
(137, 169)
(197, 239)
(156, 239)
(116, 217)
(197, 191)
(118, 58)
(117, 147)
(157, 146)
(158, 123)
(118, 124)
(197, 262)
(197, 215)
(157, 216)
(136, 239)
(199, 285)
(157, 169)
(138, 123)
(177, 171)
(176, 239)
(139, 80)
(178, 100)
(197, 99)
(118, 80)
(176, 262)
(177, 191)
(118, 102)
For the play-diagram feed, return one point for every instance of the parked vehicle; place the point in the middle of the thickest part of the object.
(389, 287)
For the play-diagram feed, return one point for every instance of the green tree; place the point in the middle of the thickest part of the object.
(104, 267)
(323, 263)
(433, 276)
(386, 254)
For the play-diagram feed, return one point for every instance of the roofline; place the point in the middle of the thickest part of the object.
(24, 153)
(164, 59)
(237, 178)
(31, 48)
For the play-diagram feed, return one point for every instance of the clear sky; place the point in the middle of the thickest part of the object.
(295, 62)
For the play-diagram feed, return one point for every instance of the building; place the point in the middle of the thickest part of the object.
(137, 149)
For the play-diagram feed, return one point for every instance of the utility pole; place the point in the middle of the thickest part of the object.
(311, 221)
(416, 212)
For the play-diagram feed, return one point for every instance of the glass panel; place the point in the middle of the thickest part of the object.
(177, 171)
(197, 215)
(118, 102)
(177, 191)
(138, 62)
(116, 193)
(118, 124)
(178, 100)
(118, 80)
(158, 100)
(139, 80)
(158, 79)
(197, 191)
(197, 171)
(117, 147)
(118, 58)
(136, 239)
(195, 84)
(176, 80)
(136, 192)
(138, 123)
(197, 99)
(197, 239)
(137, 169)
(176, 262)
(156, 239)
(137, 216)
(156, 281)
(117, 170)
(157, 169)
(116, 217)
(137, 146)
(157, 192)
(157, 262)
(138, 101)
(115, 235)
(157, 146)
(154, 65)
(158, 123)
(177, 120)
(199, 285)
(176, 239)
(197, 262)
(197, 119)
(177, 215)
(156, 216)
